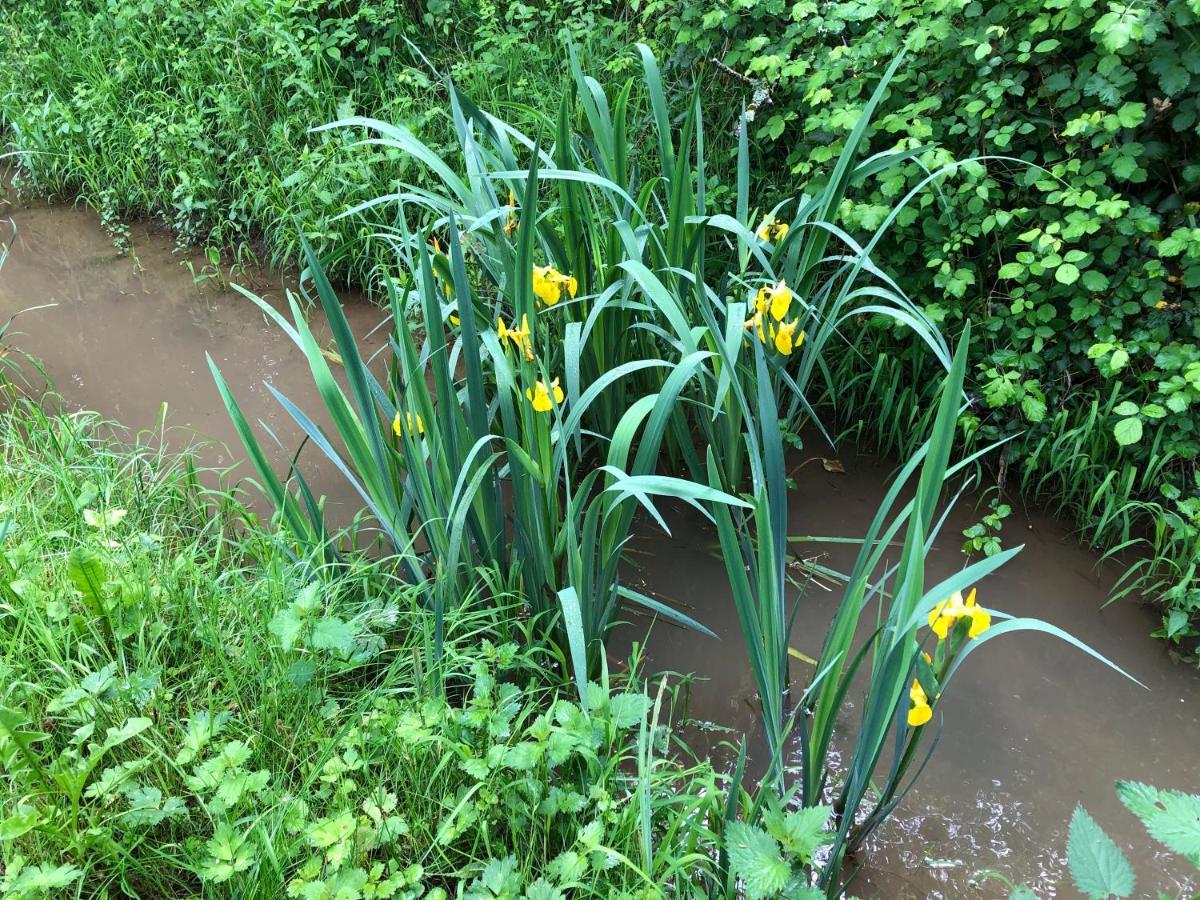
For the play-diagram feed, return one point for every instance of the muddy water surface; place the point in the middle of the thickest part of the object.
(124, 335)
(1032, 727)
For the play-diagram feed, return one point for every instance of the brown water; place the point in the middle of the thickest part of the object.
(127, 334)
(1032, 726)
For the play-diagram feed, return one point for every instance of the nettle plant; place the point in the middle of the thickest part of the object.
(592, 339)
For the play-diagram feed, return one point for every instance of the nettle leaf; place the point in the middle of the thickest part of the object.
(629, 709)
(1033, 407)
(801, 831)
(286, 625)
(331, 633)
(1171, 817)
(756, 859)
(1098, 866)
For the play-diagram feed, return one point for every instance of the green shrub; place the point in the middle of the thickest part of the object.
(1067, 232)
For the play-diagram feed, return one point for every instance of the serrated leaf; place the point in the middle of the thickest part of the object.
(628, 709)
(1098, 866)
(331, 633)
(21, 820)
(756, 859)
(1171, 817)
(286, 625)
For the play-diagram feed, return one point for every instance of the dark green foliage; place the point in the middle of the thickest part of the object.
(1067, 233)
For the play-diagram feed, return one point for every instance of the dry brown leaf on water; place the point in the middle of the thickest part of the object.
(833, 465)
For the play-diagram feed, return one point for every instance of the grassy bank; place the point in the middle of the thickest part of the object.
(188, 710)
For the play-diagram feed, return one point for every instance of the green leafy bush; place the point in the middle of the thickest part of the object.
(1067, 231)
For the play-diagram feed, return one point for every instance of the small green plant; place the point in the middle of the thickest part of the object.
(984, 536)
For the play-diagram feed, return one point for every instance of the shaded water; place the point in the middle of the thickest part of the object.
(1032, 726)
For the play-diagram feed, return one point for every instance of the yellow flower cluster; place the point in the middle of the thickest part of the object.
(771, 305)
(520, 337)
(550, 284)
(942, 619)
(770, 230)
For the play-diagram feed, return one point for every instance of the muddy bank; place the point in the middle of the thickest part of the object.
(1032, 726)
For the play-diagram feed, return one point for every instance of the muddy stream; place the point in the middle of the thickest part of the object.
(1032, 726)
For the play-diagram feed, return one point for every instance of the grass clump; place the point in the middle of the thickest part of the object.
(189, 710)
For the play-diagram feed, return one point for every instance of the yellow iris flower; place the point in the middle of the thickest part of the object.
(520, 337)
(544, 397)
(775, 299)
(949, 611)
(770, 230)
(407, 426)
(786, 339)
(549, 284)
(919, 710)
(784, 336)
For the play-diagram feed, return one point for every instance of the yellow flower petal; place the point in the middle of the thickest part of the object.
(781, 231)
(781, 301)
(920, 714)
(762, 300)
(784, 337)
(919, 710)
(763, 232)
(408, 425)
(981, 621)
